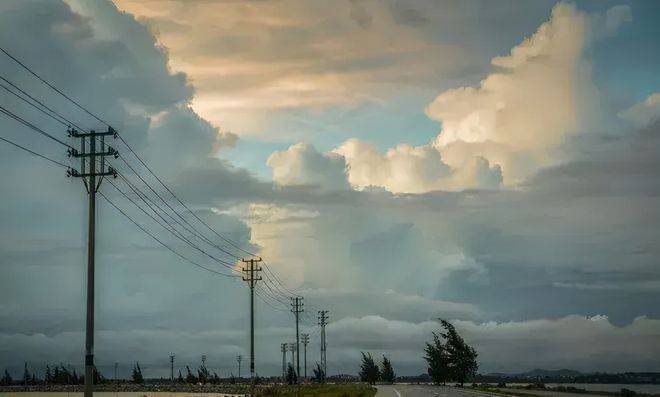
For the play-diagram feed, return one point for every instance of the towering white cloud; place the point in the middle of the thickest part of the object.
(509, 126)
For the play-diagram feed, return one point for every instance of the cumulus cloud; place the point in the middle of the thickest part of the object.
(302, 164)
(644, 113)
(507, 128)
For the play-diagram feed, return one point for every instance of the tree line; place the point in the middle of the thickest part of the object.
(53, 375)
(448, 356)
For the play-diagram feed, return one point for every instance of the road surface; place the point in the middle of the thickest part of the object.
(425, 391)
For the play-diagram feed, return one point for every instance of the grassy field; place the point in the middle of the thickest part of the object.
(349, 390)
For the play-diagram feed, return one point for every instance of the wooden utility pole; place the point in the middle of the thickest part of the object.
(92, 170)
(251, 276)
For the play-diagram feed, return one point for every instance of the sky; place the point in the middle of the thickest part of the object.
(494, 164)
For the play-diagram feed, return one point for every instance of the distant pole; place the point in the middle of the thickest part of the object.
(116, 367)
(323, 321)
(283, 347)
(172, 367)
(305, 341)
(251, 276)
(239, 358)
(292, 349)
(92, 165)
(296, 309)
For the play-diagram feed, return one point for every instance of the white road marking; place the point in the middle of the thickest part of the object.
(397, 392)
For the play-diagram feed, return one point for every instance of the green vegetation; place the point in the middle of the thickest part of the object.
(369, 371)
(449, 357)
(387, 374)
(312, 390)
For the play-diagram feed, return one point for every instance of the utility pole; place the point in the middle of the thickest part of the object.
(305, 341)
(292, 349)
(239, 358)
(283, 348)
(116, 367)
(92, 166)
(251, 276)
(296, 309)
(323, 321)
(172, 367)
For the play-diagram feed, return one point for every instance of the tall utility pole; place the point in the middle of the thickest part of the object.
(172, 367)
(305, 341)
(283, 347)
(239, 358)
(116, 367)
(92, 166)
(323, 321)
(251, 276)
(296, 309)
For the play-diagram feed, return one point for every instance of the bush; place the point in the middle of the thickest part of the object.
(627, 392)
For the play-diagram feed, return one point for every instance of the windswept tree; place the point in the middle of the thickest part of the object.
(190, 378)
(387, 372)
(137, 374)
(449, 357)
(203, 374)
(291, 376)
(319, 374)
(180, 378)
(437, 358)
(369, 371)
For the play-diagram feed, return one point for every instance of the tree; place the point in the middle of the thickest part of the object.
(462, 357)
(369, 371)
(137, 374)
(180, 378)
(27, 378)
(291, 377)
(387, 374)
(6, 379)
(452, 360)
(203, 374)
(48, 375)
(190, 378)
(215, 379)
(437, 358)
(319, 374)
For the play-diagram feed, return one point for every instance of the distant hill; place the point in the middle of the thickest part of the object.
(550, 373)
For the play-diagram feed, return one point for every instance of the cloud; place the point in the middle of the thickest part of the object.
(644, 113)
(301, 164)
(507, 128)
(507, 346)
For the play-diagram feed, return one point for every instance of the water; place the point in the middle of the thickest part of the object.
(614, 387)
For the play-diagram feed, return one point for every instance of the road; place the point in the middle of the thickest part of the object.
(425, 391)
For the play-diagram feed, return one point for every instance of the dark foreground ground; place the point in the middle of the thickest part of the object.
(341, 390)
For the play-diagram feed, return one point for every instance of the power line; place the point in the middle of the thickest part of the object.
(52, 86)
(163, 244)
(33, 127)
(182, 238)
(34, 153)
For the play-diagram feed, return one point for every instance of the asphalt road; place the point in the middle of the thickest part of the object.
(425, 391)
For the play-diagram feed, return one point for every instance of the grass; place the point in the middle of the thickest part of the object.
(347, 390)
